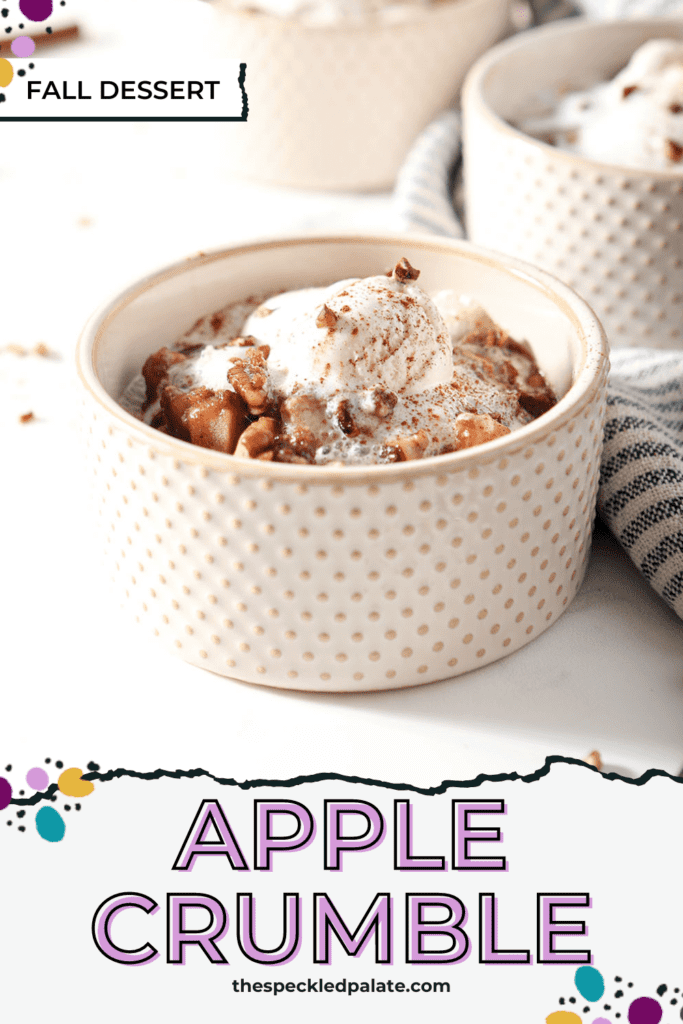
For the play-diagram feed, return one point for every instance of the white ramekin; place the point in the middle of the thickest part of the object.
(615, 234)
(346, 579)
(338, 106)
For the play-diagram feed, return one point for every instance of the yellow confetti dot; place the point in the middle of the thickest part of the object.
(71, 784)
(6, 72)
(563, 1017)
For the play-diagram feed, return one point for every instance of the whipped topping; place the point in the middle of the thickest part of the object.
(634, 120)
(462, 314)
(210, 369)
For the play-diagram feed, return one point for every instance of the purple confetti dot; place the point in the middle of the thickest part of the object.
(37, 778)
(36, 10)
(644, 1011)
(5, 793)
(23, 46)
(601, 1020)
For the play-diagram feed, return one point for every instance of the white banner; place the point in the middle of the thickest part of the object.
(326, 897)
(71, 89)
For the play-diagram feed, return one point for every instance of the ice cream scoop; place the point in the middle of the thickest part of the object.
(635, 120)
(356, 335)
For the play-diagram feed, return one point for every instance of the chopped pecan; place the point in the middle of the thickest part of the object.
(211, 419)
(536, 403)
(536, 396)
(304, 414)
(326, 317)
(345, 419)
(404, 272)
(248, 377)
(481, 365)
(471, 429)
(675, 108)
(385, 401)
(188, 348)
(674, 152)
(244, 342)
(627, 90)
(508, 372)
(155, 372)
(305, 426)
(405, 449)
(217, 322)
(594, 759)
(297, 451)
(258, 439)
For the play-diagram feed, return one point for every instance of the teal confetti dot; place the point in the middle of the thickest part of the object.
(50, 825)
(590, 983)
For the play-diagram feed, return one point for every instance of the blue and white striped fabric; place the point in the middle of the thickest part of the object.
(641, 482)
(423, 197)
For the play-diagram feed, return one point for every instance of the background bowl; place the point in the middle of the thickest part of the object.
(615, 234)
(337, 107)
(346, 579)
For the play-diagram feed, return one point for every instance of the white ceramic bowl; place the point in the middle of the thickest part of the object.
(346, 579)
(337, 107)
(615, 234)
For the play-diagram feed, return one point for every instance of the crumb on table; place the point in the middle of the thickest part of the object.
(39, 349)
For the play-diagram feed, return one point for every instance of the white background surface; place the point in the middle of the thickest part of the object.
(86, 209)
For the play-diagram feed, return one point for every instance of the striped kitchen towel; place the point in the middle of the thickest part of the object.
(423, 196)
(641, 484)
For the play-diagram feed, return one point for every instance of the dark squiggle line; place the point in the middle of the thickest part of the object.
(245, 98)
(194, 773)
(29, 801)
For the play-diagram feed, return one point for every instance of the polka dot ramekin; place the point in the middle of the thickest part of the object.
(339, 105)
(615, 234)
(346, 579)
